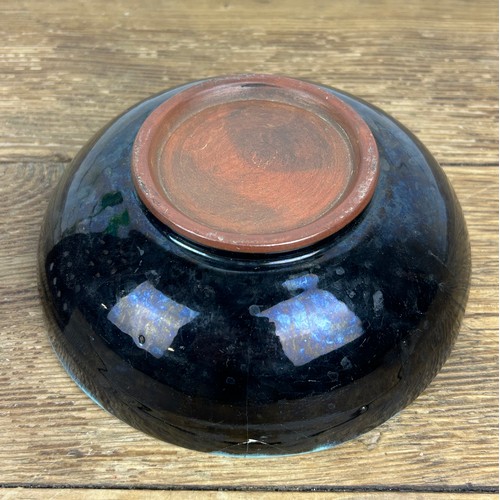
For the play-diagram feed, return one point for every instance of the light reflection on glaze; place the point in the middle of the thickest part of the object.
(313, 323)
(151, 318)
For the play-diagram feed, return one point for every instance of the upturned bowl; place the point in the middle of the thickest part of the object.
(254, 265)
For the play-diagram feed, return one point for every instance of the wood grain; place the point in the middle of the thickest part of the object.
(70, 67)
(106, 494)
(66, 68)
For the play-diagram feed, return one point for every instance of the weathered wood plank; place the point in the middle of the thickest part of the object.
(53, 434)
(66, 68)
(69, 67)
(107, 494)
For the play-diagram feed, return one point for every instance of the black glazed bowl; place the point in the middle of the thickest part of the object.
(253, 352)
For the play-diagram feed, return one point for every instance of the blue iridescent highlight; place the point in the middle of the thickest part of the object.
(151, 318)
(313, 323)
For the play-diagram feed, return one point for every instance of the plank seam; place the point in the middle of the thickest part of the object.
(465, 488)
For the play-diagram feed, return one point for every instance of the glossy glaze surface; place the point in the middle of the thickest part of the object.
(254, 354)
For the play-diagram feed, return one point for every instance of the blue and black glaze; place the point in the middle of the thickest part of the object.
(254, 354)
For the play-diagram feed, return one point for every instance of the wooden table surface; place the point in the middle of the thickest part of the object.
(66, 68)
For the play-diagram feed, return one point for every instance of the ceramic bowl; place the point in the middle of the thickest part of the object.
(254, 265)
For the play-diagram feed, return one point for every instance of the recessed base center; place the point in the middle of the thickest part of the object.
(255, 167)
